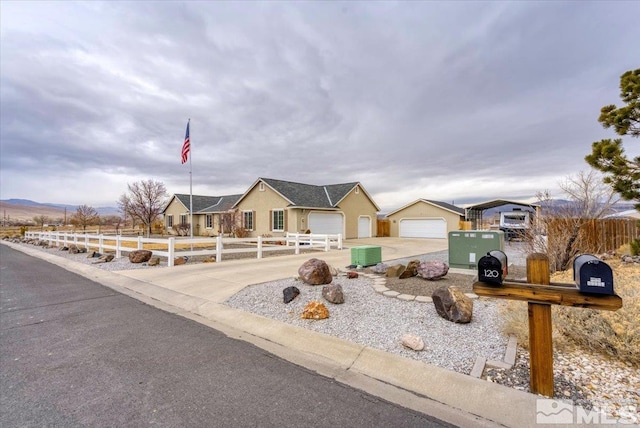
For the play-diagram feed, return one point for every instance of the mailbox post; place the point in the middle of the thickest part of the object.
(540, 294)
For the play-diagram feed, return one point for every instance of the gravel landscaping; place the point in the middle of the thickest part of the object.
(371, 319)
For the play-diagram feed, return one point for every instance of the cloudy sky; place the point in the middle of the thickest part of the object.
(454, 101)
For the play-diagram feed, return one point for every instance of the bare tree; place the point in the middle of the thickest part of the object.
(144, 201)
(114, 221)
(84, 216)
(588, 198)
(40, 220)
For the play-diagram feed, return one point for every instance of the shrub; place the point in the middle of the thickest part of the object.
(634, 247)
(614, 333)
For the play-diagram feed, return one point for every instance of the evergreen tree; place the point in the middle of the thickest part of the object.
(622, 173)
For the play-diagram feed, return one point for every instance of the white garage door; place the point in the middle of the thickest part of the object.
(325, 223)
(423, 228)
(364, 227)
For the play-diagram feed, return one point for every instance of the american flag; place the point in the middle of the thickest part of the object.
(186, 147)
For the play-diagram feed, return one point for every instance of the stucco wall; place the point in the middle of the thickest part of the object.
(262, 202)
(355, 205)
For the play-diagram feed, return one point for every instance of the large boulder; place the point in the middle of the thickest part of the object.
(395, 271)
(411, 270)
(315, 310)
(452, 304)
(333, 293)
(140, 256)
(315, 272)
(380, 268)
(433, 269)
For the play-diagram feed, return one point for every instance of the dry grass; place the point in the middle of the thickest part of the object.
(614, 333)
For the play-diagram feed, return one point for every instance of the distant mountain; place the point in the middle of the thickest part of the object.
(25, 209)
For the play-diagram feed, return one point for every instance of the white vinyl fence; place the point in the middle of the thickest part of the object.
(192, 247)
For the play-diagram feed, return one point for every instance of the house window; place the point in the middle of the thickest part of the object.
(208, 221)
(183, 219)
(247, 220)
(278, 220)
(170, 221)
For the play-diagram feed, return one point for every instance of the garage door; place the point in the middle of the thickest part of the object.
(326, 223)
(423, 228)
(364, 227)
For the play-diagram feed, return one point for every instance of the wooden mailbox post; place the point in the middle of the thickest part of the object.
(540, 294)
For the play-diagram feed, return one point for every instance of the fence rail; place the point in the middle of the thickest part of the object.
(177, 247)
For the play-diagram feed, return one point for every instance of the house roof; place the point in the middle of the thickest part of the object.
(309, 195)
(206, 204)
(445, 206)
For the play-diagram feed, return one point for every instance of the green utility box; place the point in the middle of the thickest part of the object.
(467, 246)
(366, 255)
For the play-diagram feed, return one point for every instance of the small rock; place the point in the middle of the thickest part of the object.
(334, 271)
(413, 342)
(180, 261)
(290, 293)
(154, 261)
(352, 275)
(209, 259)
(315, 310)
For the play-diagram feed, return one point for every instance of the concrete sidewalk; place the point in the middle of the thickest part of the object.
(198, 292)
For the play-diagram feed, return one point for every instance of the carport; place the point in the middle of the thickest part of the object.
(475, 213)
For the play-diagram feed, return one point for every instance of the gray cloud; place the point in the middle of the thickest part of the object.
(451, 101)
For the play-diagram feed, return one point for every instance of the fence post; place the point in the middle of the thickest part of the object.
(171, 250)
(259, 247)
(218, 248)
(339, 241)
(118, 252)
(327, 246)
(139, 242)
(65, 241)
(101, 244)
(540, 329)
(86, 242)
(297, 243)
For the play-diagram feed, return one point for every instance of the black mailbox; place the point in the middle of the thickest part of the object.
(592, 275)
(492, 268)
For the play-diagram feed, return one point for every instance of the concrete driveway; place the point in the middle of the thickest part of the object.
(217, 282)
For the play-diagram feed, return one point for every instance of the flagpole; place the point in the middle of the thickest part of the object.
(190, 185)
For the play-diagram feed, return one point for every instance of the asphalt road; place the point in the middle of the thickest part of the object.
(75, 353)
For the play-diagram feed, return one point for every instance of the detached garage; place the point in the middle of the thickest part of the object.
(423, 228)
(425, 219)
